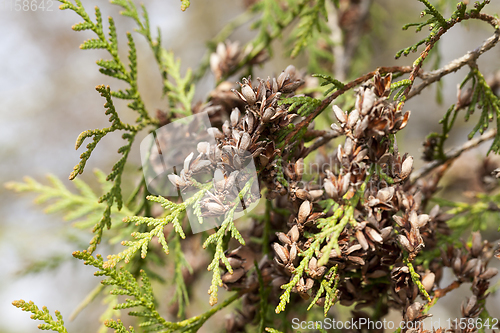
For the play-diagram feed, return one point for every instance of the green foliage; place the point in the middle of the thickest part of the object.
(272, 330)
(37, 314)
(119, 327)
(179, 90)
(181, 293)
(476, 215)
(141, 295)
(336, 84)
(305, 105)
(138, 295)
(185, 4)
(484, 99)
(83, 208)
(331, 292)
(416, 279)
(175, 215)
(310, 21)
(401, 85)
(329, 232)
(114, 67)
(217, 239)
(307, 21)
(278, 15)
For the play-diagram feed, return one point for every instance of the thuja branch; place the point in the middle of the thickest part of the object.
(458, 16)
(142, 239)
(325, 102)
(217, 238)
(115, 67)
(50, 323)
(453, 154)
(468, 59)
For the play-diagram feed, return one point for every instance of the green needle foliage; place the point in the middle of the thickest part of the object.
(37, 314)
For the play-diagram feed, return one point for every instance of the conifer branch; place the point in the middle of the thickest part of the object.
(37, 314)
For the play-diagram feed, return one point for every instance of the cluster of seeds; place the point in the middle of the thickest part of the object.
(388, 226)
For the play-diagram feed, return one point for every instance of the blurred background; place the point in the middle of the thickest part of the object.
(47, 98)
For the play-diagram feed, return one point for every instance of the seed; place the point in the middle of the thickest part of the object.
(187, 161)
(346, 182)
(369, 99)
(362, 240)
(313, 264)
(405, 243)
(219, 180)
(385, 233)
(385, 194)
(281, 79)
(361, 127)
(215, 132)
(304, 211)
(428, 281)
(321, 301)
(334, 254)
(348, 146)
(374, 235)
(282, 253)
(457, 265)
(299, 168)
(294, 234)
(353, 248)
(476, 244)
(407, 167)
(290, 71)
(470, 265)
(316, 194)
(302, 194)
(268, 114)
(341, 117)
(330, 189)
(244, 141)
(249, 94)
(235, 262)
(235, 116)
(413, 311)
(215, 208)
(489, 273)
(420, 221)
(289, 87)
(352, 118)
(293, 252)
(203, 147)
(470, 305)
(309, 284)
(226, 128)
(176, 180)
(199, 165)
(361, 155)
(231, 278)
(399, 220)
(356, 260)
(249, 120)
(283, 238)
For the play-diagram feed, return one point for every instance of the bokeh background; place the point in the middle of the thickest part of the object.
(47, 98)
